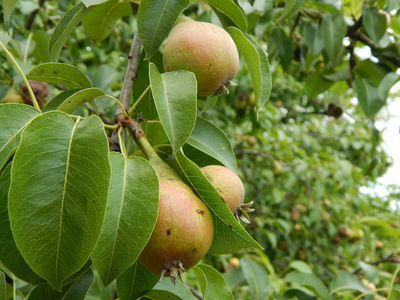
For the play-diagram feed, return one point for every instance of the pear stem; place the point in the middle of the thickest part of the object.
(138, 135)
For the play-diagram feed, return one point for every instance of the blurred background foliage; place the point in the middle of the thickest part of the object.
(304, 157)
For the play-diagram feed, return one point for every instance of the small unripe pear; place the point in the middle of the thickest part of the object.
(205, 49)
(234, 262)
(252, 99)
(12, 96)
(230, 188)
(379, 244)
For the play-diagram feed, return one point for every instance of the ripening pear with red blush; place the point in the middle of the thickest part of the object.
(205, 49)
(230, 188)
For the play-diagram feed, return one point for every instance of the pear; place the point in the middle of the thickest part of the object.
(184, 229)
(230, 188)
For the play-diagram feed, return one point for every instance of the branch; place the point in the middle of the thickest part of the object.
(130, 76)
(355, 35)
(131, 72)
(391, 258)
(195, 292)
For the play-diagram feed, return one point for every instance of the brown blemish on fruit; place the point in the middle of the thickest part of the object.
(168, 232)
(201, 212)
(194, 250)
(223, 200)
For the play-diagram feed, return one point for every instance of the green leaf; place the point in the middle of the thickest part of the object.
(54, 103)
(59, 73)
(316, 84)
(175, 97)
(395, 24)
(135, 282)
(166, 290)
(343, 74)
(155, 20)
(100, 21)
(154, 131)
(93, 2)
(198, 157)
(3, 291)
(13, 120)
(79, 98)
(313, 38)
(64, 28)
(130, 218)
(291, 8)
(333, 31)
(257, 277)
(57, 217)
(212, 283)
(74, 277)
(209, 139)
(386, 84)
(229, 235)
(257, 62)
(41, 51)
(347, 281)
(370, 70)
(300, 266)
(311, 282)
(74, 291)
(284, 45)
(374, 23)
(10, 256)
(8, 6)
(367, 95)
(231, 10)
(384, 228)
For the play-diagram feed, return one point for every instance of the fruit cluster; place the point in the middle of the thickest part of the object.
(184, 230)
